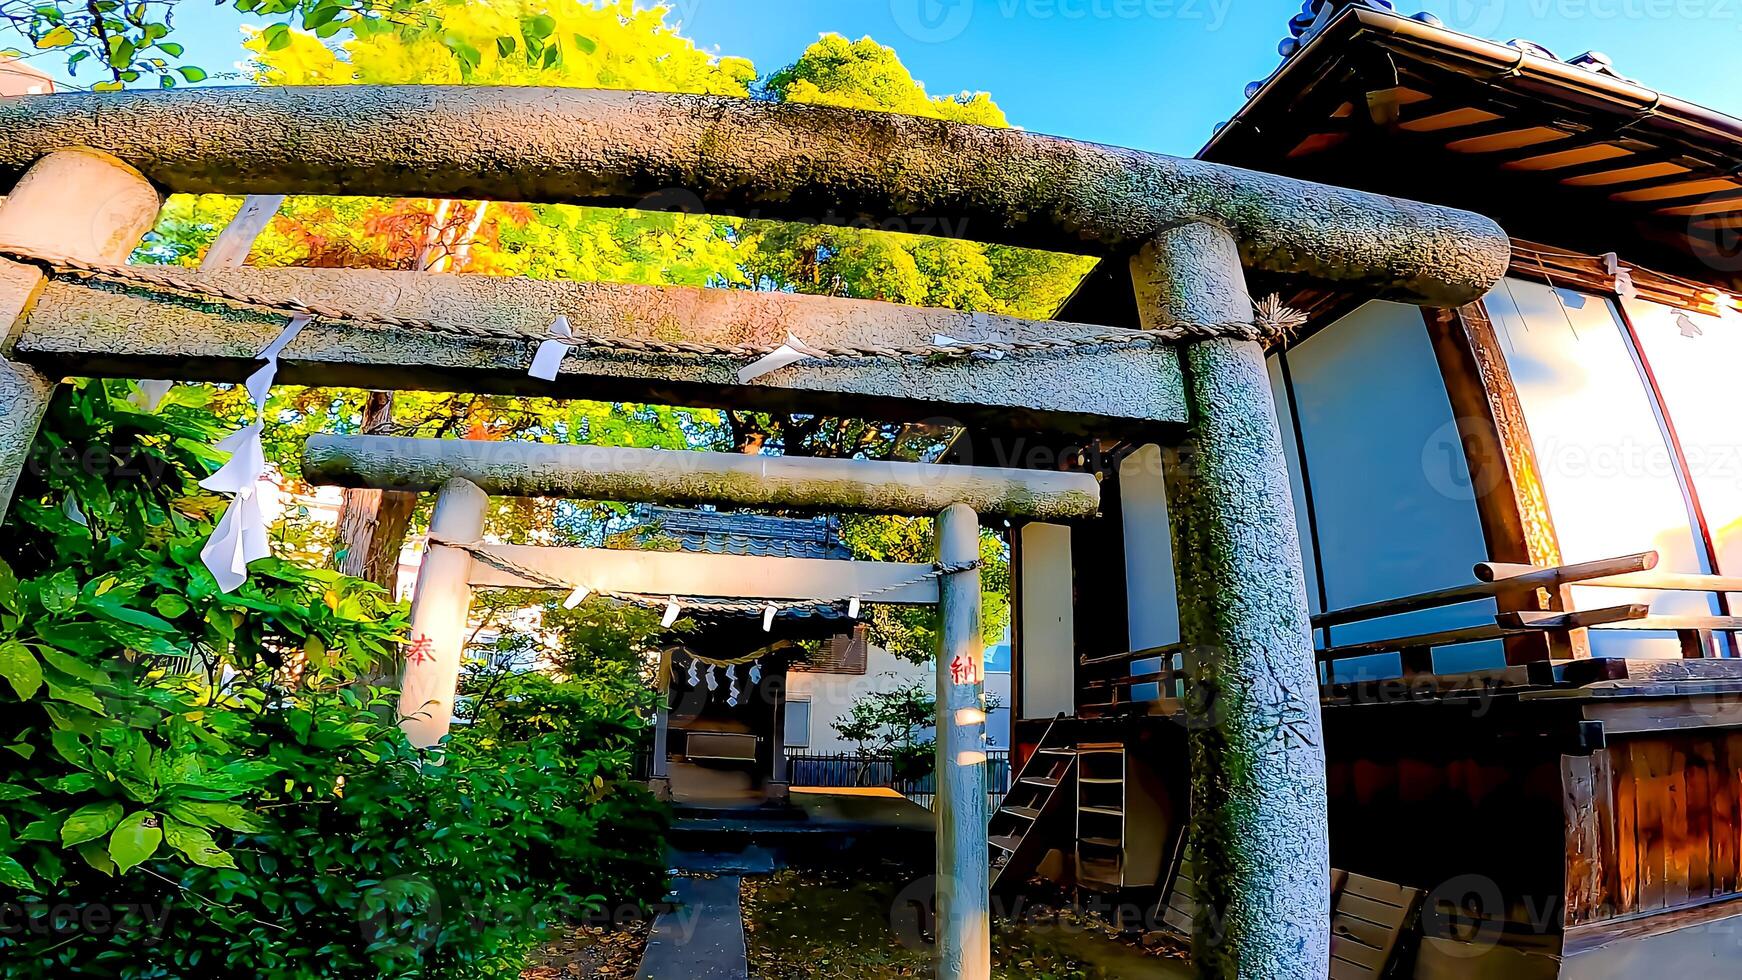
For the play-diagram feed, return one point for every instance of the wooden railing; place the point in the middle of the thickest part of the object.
(1111, 675)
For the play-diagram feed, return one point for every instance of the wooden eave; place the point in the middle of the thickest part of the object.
(1553, 152)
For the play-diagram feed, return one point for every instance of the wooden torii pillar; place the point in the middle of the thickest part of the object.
(467, 472)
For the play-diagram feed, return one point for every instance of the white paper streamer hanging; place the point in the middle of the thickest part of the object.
(694, 675)
(985, 355)
(671, 611)
(1623, 275)
(577, 597)
(791, 352)
(853, 608)
(549, 358)
(756, 673)
(768, 617)
(732, 691)
(241, 535)
(713, 679)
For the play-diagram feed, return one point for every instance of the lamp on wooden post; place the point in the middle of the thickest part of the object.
(964, 936)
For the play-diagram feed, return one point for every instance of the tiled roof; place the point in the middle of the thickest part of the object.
(722, 533)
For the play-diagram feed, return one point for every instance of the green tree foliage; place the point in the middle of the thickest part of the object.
(204, 758)
(127, 43)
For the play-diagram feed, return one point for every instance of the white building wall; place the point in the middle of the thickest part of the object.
(831, 696)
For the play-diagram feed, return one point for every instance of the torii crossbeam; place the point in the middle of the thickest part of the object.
(95, 166)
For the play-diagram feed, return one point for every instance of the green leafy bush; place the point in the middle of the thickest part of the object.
(198, 780)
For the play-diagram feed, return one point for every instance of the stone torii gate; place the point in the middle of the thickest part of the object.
(466, 473)
(93, 168)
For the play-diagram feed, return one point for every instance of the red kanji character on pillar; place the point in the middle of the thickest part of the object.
(962, 670)
(418, 652)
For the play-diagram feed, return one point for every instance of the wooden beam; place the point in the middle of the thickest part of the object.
(1503, 573)
(825, 164)
(530, 469)
(1489, 586)
(1505, 479)
(105, 330)
(1575, 619)
(1678, 623)
(1442, 638)
(1659, 581)
(700, 574)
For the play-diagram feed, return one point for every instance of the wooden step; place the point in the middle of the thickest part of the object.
(1100, 873)
(1025, 812)
(1101, 780)
(1040, 781)
(1112, 842)
(1007, 843)
(1106, 811)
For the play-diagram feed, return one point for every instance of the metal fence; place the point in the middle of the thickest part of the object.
(853, 769)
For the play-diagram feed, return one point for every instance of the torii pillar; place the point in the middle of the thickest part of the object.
(1258, 825)
(78, 204)
(439, 614)
(963, 899)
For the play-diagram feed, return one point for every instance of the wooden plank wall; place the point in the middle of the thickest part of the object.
(1653, 823)
(1422, 815)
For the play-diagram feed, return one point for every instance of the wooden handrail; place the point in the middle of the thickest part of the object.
(1655, 581)
(1548, 578)
(1574, 619)
(1490, 586)
(1634, 571)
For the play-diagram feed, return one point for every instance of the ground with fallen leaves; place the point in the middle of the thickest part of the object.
(581, 951)
(859, 925)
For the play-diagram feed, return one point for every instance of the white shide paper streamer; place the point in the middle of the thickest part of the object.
(241, 535)
(791, 352)
(549, 358)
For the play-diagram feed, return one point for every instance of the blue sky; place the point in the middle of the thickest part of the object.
(1151, 74)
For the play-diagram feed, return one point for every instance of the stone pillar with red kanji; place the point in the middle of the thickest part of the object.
(964, 922)
(440, 613)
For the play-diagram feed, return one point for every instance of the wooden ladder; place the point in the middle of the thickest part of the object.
(1041, 796)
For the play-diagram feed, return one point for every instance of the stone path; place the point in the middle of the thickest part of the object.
(703, 937)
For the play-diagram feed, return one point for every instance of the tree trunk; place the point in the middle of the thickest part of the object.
(373, 523)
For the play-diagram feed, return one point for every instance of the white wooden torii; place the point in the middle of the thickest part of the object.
(465, 473)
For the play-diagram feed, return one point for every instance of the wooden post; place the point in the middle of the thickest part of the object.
(778, 782)
(440, 612)
(1258, 800)
(75, 203)
(964, 936)
(659, 772)
(230, 250)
